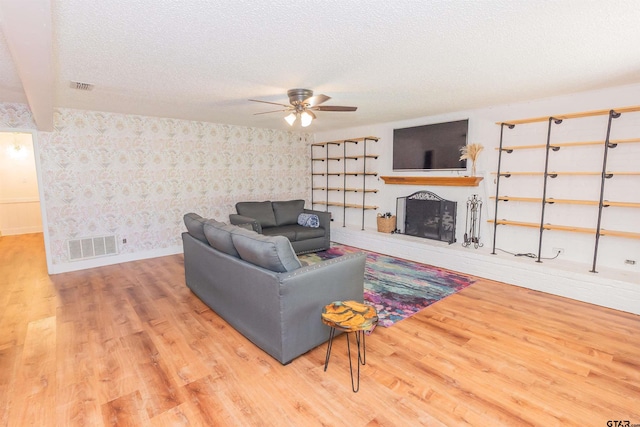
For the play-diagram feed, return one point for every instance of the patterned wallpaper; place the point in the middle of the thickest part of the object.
(136, 176)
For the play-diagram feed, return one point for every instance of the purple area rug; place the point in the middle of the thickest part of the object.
(398, 288)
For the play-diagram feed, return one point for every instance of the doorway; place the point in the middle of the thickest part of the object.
(21, 210)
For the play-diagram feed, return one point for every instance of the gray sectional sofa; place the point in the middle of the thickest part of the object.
(281, 219)
(258, 285)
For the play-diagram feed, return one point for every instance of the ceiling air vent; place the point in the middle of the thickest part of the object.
(81, 86)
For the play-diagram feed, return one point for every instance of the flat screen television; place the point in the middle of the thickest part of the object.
(430, 147)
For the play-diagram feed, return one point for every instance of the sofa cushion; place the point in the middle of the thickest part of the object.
(286, 213)
(287, 231)
(294, 233)
(195, 226)
(305, 233)
(218, 235)
(260, 211)
(274, 253)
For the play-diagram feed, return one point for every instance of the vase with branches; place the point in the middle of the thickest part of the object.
(471, 152)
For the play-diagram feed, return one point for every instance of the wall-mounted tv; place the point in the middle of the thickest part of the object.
(429, 147)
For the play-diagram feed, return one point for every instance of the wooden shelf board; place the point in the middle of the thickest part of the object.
(349, 173)
(627, 234)
(347, 140)
(347, 205)
(603, 232)
(521, 147)
(354, 190)
(551, 200)
(360, 190)
(368, 156)
(518, 223)
(517, 173)
(457, 181)
(571, 115)
(569, 173)
(570, 144)
(621, 204)
(518, 199)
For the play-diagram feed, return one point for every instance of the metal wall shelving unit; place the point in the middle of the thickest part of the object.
(332, 154)
(545, 200)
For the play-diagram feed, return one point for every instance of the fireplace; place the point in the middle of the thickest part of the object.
(425, 214)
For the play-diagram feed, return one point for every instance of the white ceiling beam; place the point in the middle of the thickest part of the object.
(27, 27)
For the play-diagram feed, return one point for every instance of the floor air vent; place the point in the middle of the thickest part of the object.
(92, 247)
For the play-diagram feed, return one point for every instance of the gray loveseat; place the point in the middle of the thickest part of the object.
(257, 284)
(281, 219)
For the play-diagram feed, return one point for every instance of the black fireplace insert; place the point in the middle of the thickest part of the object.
(425, 214)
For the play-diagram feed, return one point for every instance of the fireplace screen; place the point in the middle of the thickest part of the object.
(425, 214)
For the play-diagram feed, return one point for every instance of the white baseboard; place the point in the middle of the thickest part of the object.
(21, 230)
(617, 289)
(113, 259)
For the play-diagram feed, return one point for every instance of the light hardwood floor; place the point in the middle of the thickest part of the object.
(130, 345)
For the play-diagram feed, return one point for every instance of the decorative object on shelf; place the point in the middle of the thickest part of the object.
(471, 152)
(386, 223)
(472, 224)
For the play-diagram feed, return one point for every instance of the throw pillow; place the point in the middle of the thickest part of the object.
(195, 226)
(287, 212)
(309, 220)
(260, 211)
(274, 253)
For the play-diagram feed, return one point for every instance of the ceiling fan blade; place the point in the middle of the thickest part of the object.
(333, 108)
(274, 103)
(274, 111)
(314, 100)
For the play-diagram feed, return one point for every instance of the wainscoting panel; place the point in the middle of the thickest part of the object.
(20, 216)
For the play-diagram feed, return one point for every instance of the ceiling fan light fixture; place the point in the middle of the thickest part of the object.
(302, 104)
(305, 119)
(291, 119)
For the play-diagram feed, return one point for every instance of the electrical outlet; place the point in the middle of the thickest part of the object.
(124, 241)
(559, 251)
(630, 261)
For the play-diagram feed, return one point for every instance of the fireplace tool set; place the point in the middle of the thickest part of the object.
(472, 224)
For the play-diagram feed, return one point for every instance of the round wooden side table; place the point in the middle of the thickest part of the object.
(350, 316)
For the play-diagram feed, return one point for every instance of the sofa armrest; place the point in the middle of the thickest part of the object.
(304, 293)
(237, 219)
(323, 217)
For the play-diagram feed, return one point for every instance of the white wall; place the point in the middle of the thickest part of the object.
(19, 199)
(578, 248)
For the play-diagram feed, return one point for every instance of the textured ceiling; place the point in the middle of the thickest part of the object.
(203, 59)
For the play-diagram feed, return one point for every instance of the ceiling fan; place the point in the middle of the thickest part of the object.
(302, 104)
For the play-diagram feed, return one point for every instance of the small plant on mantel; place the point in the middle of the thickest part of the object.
(471, 152)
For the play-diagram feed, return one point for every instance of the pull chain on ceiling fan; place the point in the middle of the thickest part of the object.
(302, 103)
